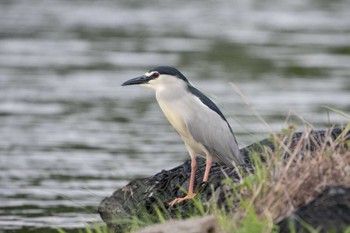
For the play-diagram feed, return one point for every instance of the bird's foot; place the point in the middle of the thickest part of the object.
(181, 199)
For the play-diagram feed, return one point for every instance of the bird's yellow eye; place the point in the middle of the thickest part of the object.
(156, 74)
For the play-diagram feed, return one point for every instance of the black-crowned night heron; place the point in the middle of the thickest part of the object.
(201, 125)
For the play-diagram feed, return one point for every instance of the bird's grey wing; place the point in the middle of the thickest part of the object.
(209, 129)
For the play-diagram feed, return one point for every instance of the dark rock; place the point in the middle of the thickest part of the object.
(329, 212)
(142, 198)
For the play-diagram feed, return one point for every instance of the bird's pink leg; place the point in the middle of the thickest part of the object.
(207, 169)
(190, 193)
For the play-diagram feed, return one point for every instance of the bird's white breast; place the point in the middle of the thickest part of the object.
(175, 117)
(177, 105)
(178, 108)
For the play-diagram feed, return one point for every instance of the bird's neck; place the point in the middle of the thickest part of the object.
(172, 93)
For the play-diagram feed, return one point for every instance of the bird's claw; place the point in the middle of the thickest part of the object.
(181, 199)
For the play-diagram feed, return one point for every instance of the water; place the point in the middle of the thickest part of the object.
(70, 135)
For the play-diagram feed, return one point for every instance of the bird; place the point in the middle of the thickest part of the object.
(199, 122)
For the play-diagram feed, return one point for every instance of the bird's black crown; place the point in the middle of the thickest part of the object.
(170, 71)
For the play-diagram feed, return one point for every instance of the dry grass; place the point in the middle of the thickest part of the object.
(293, 182)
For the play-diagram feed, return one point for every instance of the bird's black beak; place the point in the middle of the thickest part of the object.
(136, 81)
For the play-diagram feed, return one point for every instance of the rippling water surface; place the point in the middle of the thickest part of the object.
(70, 135)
